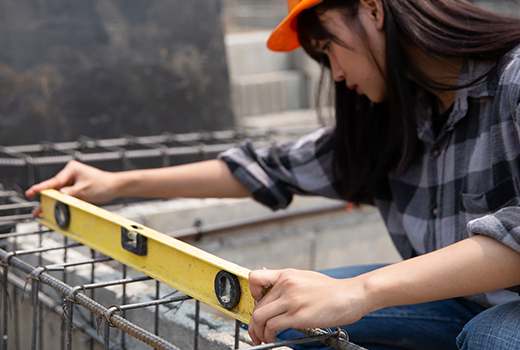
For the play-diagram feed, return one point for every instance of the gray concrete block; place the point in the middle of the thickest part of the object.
(361, 244)
(267, 93)
(247, 54)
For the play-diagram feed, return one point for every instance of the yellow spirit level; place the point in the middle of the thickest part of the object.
(205, 277)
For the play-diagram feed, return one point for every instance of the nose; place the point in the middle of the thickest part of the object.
(337, 72)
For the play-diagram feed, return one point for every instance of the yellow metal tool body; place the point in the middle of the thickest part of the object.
(205, 277)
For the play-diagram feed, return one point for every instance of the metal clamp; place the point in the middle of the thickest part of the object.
(5, 261)
(110, 312)
(72, 294)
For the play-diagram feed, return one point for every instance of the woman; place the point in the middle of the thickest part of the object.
(427, 96)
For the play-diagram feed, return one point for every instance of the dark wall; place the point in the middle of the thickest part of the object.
(106, 67)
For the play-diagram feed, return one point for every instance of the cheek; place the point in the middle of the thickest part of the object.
(376, 89)
(382, 91)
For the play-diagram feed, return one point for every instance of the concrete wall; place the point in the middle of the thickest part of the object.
(105, 67)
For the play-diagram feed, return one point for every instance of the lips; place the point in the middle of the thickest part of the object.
(354, 87)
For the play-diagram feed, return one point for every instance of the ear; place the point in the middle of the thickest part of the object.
(376, 10)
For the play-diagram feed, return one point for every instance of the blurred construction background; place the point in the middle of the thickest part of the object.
(110, 68)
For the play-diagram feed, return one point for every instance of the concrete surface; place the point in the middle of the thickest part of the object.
(315, 242)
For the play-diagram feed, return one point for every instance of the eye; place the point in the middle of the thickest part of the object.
(322, 46)
(326, 48)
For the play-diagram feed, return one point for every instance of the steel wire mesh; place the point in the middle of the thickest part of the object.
(28, 271)
(28, 274)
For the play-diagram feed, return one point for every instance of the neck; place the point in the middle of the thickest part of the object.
(442, 70)
(446, 99)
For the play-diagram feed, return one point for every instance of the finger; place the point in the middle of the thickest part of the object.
(36, 212)
(79, 190)
(264, 311)
(70, 190)
(265, 332)
(57, 182)
(256, 321)
(36, 189)
(259, 279)
(273, 326)
(252, 334)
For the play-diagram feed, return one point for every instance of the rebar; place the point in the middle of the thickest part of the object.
(76, 295)
(152, 147)
(89, 304)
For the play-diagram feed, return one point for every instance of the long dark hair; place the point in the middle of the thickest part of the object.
(373, 139)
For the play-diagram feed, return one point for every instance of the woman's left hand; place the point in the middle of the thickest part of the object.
(302, 299)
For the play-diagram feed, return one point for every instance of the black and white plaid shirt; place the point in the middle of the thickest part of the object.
(466, 181)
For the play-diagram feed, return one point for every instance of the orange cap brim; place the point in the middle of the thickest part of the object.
(284, 37)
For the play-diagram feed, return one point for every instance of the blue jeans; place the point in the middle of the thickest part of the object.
(439, 325)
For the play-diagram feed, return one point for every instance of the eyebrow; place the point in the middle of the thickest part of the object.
(316, 45)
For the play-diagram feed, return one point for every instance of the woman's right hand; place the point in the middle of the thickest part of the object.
(81, 181)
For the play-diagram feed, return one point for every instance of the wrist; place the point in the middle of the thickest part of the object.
(376, 291)
(357, 298)
(120, 184)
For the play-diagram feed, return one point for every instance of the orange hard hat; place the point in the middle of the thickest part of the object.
(285, 37)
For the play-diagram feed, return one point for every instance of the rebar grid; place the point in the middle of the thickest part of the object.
(164, 146)
(103, 318)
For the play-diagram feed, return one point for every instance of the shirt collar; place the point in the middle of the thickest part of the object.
(470, 70)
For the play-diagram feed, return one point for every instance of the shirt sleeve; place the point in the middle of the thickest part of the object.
(504, 225)
(274, 174)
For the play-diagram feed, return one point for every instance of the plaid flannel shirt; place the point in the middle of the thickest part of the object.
(466, 182)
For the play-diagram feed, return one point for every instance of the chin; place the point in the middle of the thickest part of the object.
(377, 98)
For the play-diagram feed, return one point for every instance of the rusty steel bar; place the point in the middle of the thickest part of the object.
(117, 282)
(23, 205)
(238, 324)
(70, 311)
(196, 331)
(154, 302)
(35, 284)
(15, 234)
(192, 144)
(92, 291)
(128, 154)
(201, 231)
(123, 340)
(79, 263)
(43, 250)
(86, 143)
(17, 282)
(6, 305)
(290, 342)
(156, 311)
(15, 218)
(106, 337)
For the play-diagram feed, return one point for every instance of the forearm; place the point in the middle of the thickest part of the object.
(475, 265)
(197, 180)
(306, 299)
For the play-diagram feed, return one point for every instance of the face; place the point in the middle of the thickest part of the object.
(352, 60)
